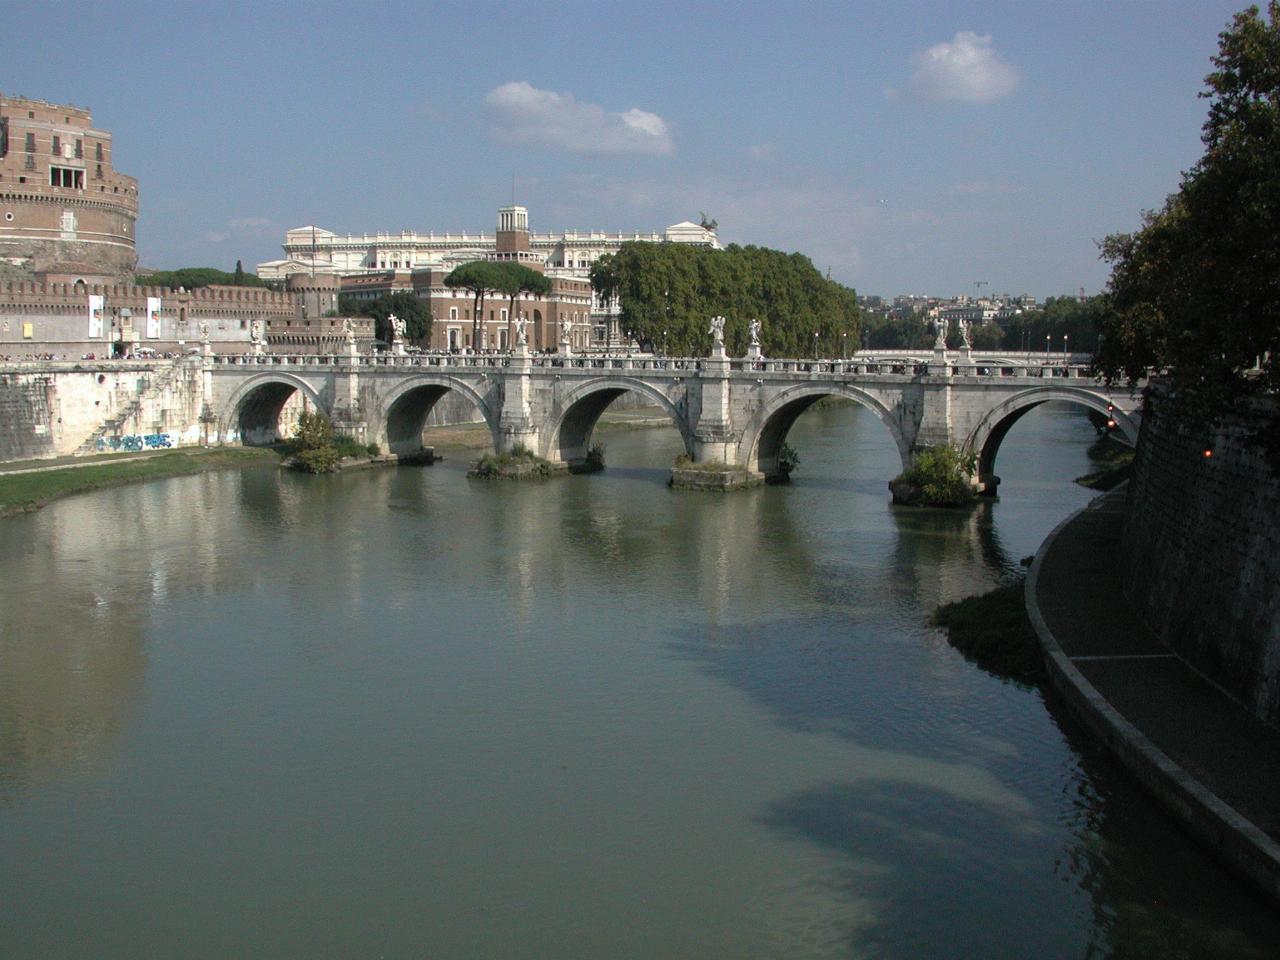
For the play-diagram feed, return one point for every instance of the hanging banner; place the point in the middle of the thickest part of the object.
(96, 309)
(153, 318)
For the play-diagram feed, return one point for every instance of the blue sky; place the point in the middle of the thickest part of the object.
(907, 147)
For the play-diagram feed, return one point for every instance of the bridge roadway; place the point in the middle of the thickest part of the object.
(731, 410)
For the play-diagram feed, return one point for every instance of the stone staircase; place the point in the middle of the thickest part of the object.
(158, 382)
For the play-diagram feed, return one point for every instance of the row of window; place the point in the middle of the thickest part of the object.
(56, 147)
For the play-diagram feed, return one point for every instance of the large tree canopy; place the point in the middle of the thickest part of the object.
(1196, 291)
(404, 304)
(669, 292)
(516, 280)
(192, 277)
(477, 278)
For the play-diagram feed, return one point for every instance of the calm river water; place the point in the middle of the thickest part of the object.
(400, 714)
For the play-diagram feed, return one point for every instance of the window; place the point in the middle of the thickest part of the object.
(97, 173)
(453, 313)
(97, 151)
(31, 143)
(57, 145)
(79, 149)
(66, 177)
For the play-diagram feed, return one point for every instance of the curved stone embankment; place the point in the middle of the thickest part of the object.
(1211, 763)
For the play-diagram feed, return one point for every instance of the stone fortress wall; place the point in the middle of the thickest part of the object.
(43, 318)
(1201, 559)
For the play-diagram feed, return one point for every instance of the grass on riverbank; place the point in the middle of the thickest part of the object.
(22, 492)
(1115, 460)
(993, 631)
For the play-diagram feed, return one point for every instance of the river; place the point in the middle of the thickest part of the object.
(398, 713)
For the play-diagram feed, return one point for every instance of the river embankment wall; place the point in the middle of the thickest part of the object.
(1201, 549)
(51, 412)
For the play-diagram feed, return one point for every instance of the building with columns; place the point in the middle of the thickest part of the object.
(373, 267)
(314, 250)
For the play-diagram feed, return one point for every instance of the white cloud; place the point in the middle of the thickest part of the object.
(967, 68)
(521, 113)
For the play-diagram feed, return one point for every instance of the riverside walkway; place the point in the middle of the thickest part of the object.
(1206, 758)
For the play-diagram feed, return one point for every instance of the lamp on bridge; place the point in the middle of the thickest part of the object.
(815, 344)
(1065, 352)
(1047, 338)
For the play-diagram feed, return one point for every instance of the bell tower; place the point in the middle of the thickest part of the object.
(513, 231)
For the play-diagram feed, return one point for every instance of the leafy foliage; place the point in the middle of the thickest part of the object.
(192, 277)
(478, 278)
(669, 292)
(515, 280)
(312, 447)
(942, 476)
(1071, 317)
(519, 463)
(404, 304)
(1196, 291)
(897, 332)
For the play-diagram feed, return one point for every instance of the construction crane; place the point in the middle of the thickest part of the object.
(976, 285)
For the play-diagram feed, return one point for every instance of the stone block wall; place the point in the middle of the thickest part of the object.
(1201, 552)
(26, 416)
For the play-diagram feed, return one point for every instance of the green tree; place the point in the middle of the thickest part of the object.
(515, 280)
(405, 304)
(669, 292)
(897, 331)
(1044, 327)
(313, 444)
(238, 277)
(193, 277)
(1196, 291)
(478, 278)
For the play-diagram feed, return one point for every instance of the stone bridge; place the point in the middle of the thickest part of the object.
(730, 410)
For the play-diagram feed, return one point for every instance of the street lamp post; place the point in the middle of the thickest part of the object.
(1047, 338)
(844, 345)
(815, 344)
(1065, 352)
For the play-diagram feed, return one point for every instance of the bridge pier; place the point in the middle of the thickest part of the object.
(346, 415)
(515, 424)
(714, 439)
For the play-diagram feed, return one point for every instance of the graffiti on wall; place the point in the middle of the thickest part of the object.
(150, 441)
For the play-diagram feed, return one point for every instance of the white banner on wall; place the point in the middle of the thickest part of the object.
(97, 308)
(153, 318)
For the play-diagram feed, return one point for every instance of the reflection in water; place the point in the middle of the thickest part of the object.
(395, 712)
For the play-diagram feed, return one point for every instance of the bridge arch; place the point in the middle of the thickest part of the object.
(990, 431)
(766, 431)
(406, 406)
(567, 435)
(252, 415)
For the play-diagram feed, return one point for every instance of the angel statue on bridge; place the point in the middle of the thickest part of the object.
(940, 327)
(717, 331)
(754, 328)
(521, 322)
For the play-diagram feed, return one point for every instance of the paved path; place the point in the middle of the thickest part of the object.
(1215, 765)
(62, 463)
